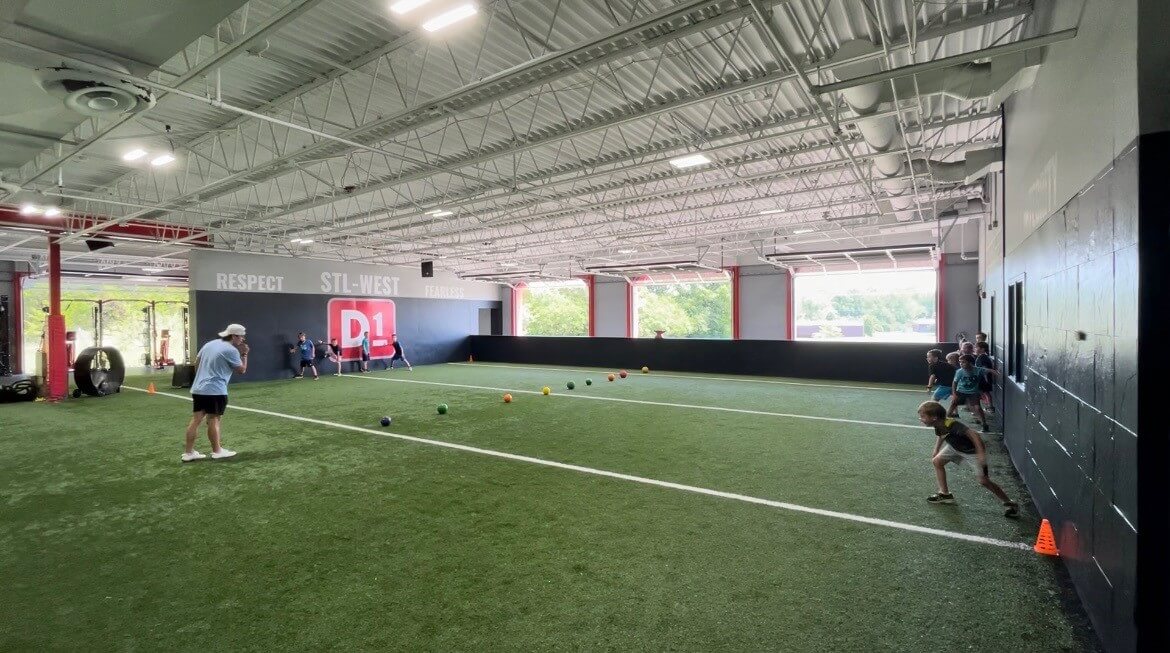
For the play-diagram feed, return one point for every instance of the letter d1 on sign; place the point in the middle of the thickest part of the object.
(349, 318)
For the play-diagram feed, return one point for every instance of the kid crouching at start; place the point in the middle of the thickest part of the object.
(955, 443)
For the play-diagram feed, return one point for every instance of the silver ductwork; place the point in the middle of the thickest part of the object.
(997, 79)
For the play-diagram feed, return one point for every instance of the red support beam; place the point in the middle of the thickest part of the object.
(590, 284)
(734, 272)
(137, 229)
(940, 298)
(791, 326)
(57, 374)
(629, 309)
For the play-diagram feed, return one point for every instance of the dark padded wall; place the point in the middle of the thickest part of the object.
(431, 330)
(1071, 425)
(837, 361)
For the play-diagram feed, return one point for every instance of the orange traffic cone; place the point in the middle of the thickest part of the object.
(1045, 542)
(150, 388)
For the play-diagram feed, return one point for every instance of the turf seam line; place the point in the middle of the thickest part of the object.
(791, 507)
(645, 402)
(701, 377)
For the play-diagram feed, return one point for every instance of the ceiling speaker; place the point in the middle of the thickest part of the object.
(428, 268)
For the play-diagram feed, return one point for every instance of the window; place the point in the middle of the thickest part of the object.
(889, 305)
(1015, 346)
(696, 309)
(554, 308)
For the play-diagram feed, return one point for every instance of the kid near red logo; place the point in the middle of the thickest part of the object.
(350, 318)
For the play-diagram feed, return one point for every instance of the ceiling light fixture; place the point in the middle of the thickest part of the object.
(443, 214)
(771, 211)
(802, 231)
(690, 161)
(29, 209)
(450, 17)
(162, 160)
(627, 251)
(52, 212)
(434, 211)
(134, 155)
(306, 241)
(295, 240)
(406, 6)
(153, 270)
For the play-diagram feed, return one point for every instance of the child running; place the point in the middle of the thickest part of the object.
(308, 355)
(966, 388)
(942, 375)
(398, 355)
(983, 359)
(955, 443)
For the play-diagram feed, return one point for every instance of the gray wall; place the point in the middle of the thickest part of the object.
(610, 307)
(960, 297)
(763, 303)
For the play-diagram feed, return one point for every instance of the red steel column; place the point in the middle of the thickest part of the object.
(791, 326)
(590, 286)
(57, 376)
(940, 311)
(734, 271)
(629, 309)
(515, 313)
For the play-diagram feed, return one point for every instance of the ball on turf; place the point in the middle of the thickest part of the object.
(610, 377)
(588, 381)
(645, 370)
(570, 385)
(507, 399)
(545, 390)
(623, 374)
(385, 421)
(442, 409)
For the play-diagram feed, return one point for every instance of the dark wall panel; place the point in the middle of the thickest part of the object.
(1071, 421)
(838, 361)
(431, 330)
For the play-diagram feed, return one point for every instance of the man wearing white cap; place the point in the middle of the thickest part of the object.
(214, 366)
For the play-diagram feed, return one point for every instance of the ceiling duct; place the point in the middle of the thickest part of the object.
(996, 79)
(94, 93)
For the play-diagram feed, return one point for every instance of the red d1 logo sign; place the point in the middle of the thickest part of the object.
(349, 319)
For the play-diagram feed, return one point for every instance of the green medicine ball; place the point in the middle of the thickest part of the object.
(442, 409)
(570, 385)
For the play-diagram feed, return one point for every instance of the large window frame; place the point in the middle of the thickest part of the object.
(525, 304)
(864, 324)
(1016, 346)
(642, 286)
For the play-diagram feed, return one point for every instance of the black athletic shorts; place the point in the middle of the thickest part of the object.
(398, 357)
(365, 356)
(967, 398)
(210, 404)
(305, 364)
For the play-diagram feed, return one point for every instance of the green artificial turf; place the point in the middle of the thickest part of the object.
(316, 537)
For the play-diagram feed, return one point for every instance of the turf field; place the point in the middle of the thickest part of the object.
(659, 512)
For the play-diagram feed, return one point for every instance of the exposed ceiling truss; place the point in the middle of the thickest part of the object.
(539, 135)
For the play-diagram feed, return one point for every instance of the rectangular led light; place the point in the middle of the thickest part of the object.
(443, 214)
(30, 209)
(803, 231)
(406, 6)
(52, 212)
(627, 251)
(134, 155)
(450, 17)
(162, 160)
(771, 211)
(690, 161)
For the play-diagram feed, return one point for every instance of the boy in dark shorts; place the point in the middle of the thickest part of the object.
(308, 355)
(983, 359)
(942, 375)
(956, 443)
(365, 351)
(334, 353)
(398, 355)
(966, 388)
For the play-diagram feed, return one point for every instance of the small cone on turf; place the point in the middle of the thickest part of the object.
(1045, 542)
(150, 388)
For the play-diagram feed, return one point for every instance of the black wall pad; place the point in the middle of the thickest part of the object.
(836, 361)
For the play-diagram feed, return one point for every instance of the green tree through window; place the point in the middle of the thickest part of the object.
(685, 310)
(560, 309)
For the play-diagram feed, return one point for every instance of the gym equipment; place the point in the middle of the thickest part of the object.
(99, 371)
(18, 387)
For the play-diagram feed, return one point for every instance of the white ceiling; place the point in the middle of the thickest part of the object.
(545, 127)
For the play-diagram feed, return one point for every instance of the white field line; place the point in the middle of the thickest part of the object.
(698, 377)
(885, 523)
(724, 409)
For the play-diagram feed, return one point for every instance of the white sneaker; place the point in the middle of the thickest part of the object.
(222, 453)
(194, 455)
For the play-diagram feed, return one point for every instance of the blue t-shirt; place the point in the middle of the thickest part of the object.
(365, 345)
(307, 350)
(967, 382)
(217, 360)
